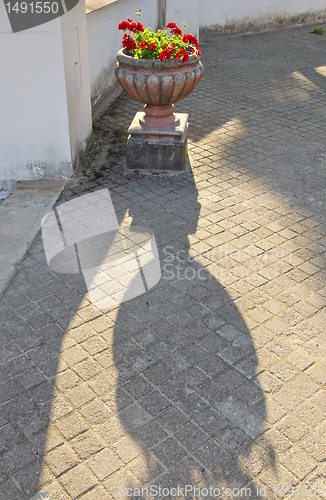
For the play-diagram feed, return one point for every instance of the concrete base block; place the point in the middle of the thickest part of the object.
(157, 148)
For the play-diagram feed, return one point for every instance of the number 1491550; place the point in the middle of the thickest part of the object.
(32, 7)
(303, 490)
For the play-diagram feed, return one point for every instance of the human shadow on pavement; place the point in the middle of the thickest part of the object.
(187, 394)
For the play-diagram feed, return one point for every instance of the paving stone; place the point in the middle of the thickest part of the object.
(77, 481)
(193, 378)
(80, 395)
(86, 444)
(121, 478)
(233, 440)
(298, 462)
(18, 457)
(169, 452)
(61, 459)
(177, 363)
(9, 391)
(150, 433)
(276, 477)
(103, 463)
(288, 398)
(99, 493)
(318, 373)
(9, 489)
(211, 455)
(137, 387)
(213, 343)
(28, 478)
(87, 369)
(292, 427)
(72, 425)
(195, 353)
(310, 412)
(315, 446)
(9, 436)
(102, 383)
(154, 402)
(172, 419)
(239, 414)
(257, 460)
(235, 475)
(60, 407)
(95, 412)
(158, 374)
(134, 415)
(304, 386)
(191, 437)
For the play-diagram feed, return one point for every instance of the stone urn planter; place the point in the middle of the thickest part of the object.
(158, 136)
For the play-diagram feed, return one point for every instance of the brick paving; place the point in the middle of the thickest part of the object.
(216, 376)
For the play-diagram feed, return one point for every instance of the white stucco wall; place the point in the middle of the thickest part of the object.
(34, 130)
(43, 119)
(178, 11)
(75, 51)
(104, 39)
(238, 14)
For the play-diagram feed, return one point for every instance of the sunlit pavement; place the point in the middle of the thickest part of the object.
(209, 370)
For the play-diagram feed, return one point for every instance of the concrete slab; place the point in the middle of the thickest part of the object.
(20, 219)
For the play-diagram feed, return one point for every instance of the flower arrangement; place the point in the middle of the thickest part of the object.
(143, 44)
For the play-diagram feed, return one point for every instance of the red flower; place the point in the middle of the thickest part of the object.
(125, 25)
(130, 20)
(136, 27)
(152, 46)
(182, 54)
(196, 52)
(174, 28)
(140, 27)
(143, 44)
(190, 39)
(177, 31)
(128, 42)
(167, 53)
(133, 27)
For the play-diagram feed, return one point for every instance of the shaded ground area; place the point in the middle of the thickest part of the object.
(215, 377)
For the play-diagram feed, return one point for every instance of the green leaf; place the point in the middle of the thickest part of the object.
(318, 31)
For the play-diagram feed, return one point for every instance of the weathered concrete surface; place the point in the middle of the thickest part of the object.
(20, 220)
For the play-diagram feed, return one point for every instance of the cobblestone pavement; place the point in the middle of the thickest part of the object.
(215, 377)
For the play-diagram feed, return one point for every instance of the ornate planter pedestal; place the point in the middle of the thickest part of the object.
(157, 147)
(158, 136)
